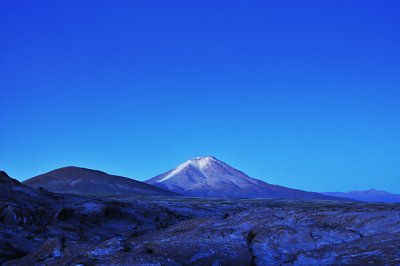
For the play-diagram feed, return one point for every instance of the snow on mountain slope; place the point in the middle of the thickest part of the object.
(76, 180)
(210, 177)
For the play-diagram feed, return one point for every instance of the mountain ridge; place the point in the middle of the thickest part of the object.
(370, 195)
(85, 181)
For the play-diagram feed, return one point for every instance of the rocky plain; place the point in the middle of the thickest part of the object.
(38, 227)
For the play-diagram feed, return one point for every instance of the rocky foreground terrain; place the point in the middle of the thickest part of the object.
(42, 228)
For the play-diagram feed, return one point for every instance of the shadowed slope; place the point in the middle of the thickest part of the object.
(76, 180)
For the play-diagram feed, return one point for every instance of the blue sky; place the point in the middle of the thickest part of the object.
(299, 93)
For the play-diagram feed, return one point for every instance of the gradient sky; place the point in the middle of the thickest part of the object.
(304, 94)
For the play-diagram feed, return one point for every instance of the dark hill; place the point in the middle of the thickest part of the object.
(83, 181)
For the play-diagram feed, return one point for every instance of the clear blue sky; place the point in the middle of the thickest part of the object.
(304, 94)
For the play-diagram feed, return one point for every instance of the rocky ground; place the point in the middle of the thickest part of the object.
(42, 228)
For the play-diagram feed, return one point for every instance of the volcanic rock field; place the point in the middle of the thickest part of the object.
(38, 227)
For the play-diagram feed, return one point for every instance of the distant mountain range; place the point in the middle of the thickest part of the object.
(371, 195)
(82, 181)
(198, 177)
(210, 177)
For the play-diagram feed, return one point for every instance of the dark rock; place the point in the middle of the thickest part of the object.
(8, 252)
(5, 179)
(52, 248)
(10, 216)
(65, 214)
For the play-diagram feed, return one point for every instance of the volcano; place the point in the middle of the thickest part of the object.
(210, 177)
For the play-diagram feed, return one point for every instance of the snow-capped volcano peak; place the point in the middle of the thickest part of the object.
(201, 162)
(198, 163)
(203, 171)
(208, 176)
